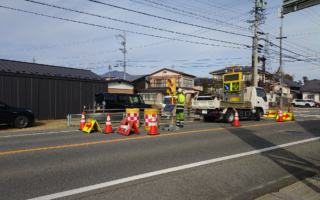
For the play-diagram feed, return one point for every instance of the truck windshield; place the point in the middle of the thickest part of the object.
(262, 93)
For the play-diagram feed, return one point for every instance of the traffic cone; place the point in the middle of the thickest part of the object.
(236, 121)
(83, 121)
(280, 115)
(108, 128)
(153, 127)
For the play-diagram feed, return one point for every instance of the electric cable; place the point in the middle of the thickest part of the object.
(68, 9)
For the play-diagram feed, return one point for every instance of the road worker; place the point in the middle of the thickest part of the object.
(180, 101)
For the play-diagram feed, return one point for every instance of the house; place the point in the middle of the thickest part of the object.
(140, 83)
(289, 88)
(198, 86)
(120, 86)
(156, 85)
(311, 90)
(246, 75)
(51, 92)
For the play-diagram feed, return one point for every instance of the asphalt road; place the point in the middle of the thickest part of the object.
(203, 161)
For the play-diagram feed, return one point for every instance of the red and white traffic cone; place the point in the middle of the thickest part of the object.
(108, 128)
(83, 121)
(280, 115)
(153, 127)
(236, 121)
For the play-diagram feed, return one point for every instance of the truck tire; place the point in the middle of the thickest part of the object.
(229, 116)
(258, 115)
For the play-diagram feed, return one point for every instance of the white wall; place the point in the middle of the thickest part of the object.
(121, 85)
(316, 96)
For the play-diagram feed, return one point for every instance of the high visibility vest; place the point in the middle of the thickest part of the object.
(180, 101)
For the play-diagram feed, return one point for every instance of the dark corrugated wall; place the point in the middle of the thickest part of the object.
(49, 97)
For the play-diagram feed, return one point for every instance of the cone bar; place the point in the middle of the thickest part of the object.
(153, 128)
(83, 121)
(236, 121)
(108, 128)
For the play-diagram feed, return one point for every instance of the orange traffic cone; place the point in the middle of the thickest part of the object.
(153, 127)
(108, 128)
(83, 121)
(236, 121)
(280, 115)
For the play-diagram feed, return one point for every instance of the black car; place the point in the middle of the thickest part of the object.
(18, 117)
(119, 101)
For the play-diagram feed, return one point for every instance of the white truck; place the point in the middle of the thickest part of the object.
(254, 104)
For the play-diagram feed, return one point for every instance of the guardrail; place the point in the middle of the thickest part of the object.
(101, 117)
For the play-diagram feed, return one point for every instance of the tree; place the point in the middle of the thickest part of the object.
(216, 85)
(205, 85)
(300, 82)
(288, 76)
(305, 79)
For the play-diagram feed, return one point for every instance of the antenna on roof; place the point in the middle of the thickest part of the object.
(172, 66)
(34, 59)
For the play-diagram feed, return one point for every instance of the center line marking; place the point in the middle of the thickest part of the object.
(165, 171)
(136, 138)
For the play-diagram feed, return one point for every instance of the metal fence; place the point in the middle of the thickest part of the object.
(74, 119)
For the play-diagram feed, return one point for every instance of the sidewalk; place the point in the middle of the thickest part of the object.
(306, 189)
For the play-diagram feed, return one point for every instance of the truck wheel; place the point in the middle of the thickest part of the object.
(229, 116)
(258, 115)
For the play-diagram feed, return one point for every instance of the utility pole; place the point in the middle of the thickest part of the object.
(259, 5)
(109, 71)
(124, 51)
(255, 57)
(280, 15)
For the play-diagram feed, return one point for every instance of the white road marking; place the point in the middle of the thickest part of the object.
(165, 171)
(22, 135)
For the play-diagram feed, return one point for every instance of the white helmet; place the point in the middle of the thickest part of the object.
(179, 90)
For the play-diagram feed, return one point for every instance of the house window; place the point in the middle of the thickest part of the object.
(219, 77)
(187, 83)
(158, 83)
(310, 96)
(149, 97)
(260, 77)
(247, 77)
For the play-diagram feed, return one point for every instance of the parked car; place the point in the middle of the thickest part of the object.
(14, 116)
(301, 102)
(316, 104)
(119, 101)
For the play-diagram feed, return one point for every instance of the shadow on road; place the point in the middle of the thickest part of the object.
(292, 163)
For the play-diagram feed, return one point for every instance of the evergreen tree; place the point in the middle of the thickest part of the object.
(205, 85)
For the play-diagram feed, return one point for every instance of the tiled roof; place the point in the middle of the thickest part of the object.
(311, 86)
(47, 70)
(172, 71)
(287, 81)
(200, 80)
(244, 69)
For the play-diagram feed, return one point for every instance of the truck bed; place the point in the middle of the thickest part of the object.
(214, 104)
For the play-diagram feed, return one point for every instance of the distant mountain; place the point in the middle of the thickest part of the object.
(120, 75)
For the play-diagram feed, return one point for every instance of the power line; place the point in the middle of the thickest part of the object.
(185, 34)
(193, 15)
(166, 18)
(127, 30)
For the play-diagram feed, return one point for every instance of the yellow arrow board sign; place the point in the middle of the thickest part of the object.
(93, 124)
(271, 113)
(287, 116)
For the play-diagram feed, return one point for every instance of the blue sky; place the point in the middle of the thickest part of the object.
(93, 46)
